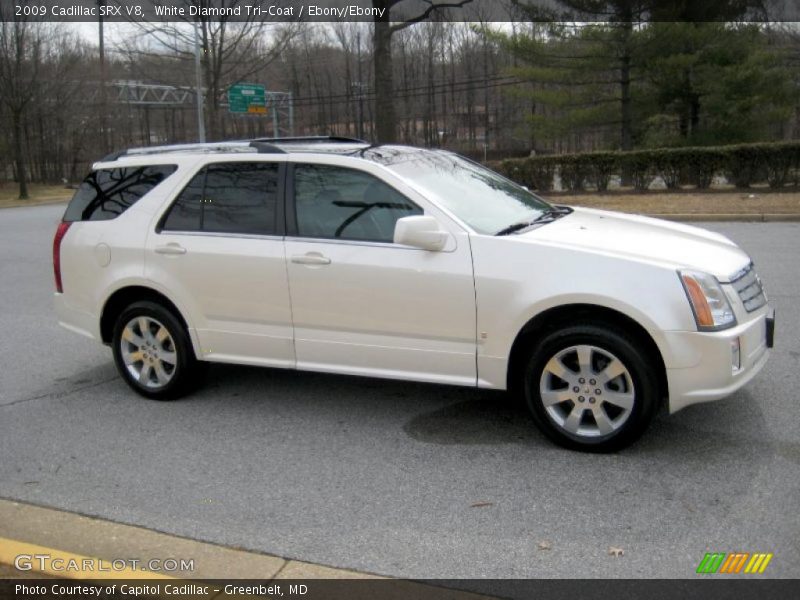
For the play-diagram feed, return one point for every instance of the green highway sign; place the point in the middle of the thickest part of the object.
(247, 98)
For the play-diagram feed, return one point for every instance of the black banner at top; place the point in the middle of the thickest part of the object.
(277, 11)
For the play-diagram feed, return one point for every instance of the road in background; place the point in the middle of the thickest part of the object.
(395, 478)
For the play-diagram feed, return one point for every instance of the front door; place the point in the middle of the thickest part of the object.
(364, 305)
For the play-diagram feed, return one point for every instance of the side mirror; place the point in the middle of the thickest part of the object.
(421, 232)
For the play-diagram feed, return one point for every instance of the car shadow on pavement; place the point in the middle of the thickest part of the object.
(697, 464)
(490, 418)
(451, 415)
(430, 413)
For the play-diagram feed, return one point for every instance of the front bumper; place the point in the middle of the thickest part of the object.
(712, 375)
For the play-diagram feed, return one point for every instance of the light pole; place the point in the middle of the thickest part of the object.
(198, 81)
(360, 87)
(103, 101)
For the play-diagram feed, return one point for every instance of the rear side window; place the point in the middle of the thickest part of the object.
(107, 193)
(228, 198)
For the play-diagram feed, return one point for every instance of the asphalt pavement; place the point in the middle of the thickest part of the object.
(395, 478)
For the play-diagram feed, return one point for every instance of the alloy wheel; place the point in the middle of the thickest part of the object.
(586, 391)
(148, 351)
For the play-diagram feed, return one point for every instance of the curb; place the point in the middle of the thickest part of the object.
(26, 204)
(35, 531)
(731, 217)
(64, 533)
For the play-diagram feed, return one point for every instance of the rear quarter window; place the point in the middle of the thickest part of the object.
(107, 193)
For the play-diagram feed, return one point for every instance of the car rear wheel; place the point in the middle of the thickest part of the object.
(153, 352)
(591, 388)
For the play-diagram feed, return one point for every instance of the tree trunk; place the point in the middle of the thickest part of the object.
(694, 113)
(626, 116)
(430, 111)
(486, 138)
(683, 124)
(211, 82)
(213, 116)
(385, 120)
(685, 121)
(19, 155)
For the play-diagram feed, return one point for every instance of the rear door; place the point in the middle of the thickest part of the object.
(219, 250)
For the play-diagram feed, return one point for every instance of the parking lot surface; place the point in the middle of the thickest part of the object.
(396, 478)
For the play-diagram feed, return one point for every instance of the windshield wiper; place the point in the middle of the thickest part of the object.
(547, 216)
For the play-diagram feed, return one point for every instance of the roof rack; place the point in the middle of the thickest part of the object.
(260, 146)
(311, 139)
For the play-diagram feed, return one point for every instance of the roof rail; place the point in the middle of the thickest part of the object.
(237, 146)
(338, 139)
(260, 145)
(202, 147)
(265, 148)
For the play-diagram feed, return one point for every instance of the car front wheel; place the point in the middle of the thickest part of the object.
(591, 388)
(153, 352)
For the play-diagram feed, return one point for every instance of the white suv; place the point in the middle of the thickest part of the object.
(329, 254)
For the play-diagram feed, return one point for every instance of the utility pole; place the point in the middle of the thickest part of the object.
(198, 81)
(360, 88)
(291, 115)
(104, 138)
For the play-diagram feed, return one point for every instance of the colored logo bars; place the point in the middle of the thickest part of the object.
(736, 562)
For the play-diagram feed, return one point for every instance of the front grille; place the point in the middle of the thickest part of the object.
(748, 285)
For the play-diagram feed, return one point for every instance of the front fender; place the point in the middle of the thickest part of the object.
(517, 280)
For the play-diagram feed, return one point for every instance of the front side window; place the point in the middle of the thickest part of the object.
(228, 198)
(339, 203)
(107, 193)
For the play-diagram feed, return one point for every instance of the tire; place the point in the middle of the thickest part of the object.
(590, 388)
(153, 352)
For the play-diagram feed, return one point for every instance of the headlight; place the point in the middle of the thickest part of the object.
(710, 306)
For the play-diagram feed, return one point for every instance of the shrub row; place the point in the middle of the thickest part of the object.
(742, 165)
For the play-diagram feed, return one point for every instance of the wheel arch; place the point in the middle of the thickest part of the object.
(556, 317)
(126, 296)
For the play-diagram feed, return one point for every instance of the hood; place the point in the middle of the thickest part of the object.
(644, 238)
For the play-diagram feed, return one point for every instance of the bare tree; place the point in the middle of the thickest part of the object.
(61, 119)
(20, 59)
(349, 36)
(231, 51)
(383, 30)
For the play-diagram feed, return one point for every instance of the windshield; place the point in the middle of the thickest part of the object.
(481, 198)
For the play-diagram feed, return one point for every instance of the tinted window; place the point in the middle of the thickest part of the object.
(184, 215)
(228, 198)
(332, 202)
(107, 193)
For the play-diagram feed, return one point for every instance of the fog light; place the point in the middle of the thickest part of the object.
(736, 354)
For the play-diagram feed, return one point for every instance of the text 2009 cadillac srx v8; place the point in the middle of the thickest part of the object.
(332, 255)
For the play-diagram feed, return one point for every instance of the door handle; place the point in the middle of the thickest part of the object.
(312, 258)
(171, 249)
